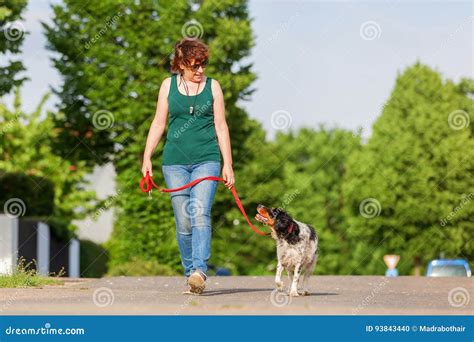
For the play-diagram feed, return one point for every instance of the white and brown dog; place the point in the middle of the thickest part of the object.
(297, 247)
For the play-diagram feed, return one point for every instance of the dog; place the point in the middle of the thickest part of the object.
(297, 247)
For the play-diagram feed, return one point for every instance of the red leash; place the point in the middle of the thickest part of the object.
(147, 183)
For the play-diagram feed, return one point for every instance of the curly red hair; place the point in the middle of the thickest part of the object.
(186, 50)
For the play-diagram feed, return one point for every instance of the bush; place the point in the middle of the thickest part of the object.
(37, 193)
(140, 267)
(94, 259)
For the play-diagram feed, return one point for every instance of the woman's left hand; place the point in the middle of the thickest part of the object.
(228, 175)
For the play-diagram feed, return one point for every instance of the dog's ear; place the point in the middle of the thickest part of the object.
(287, 228)
(293, 235)
(283, 221)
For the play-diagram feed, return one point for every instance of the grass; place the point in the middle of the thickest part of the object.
(24, 276)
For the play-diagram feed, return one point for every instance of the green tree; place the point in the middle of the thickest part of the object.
(315, 167)
(26, 147)
(302, 173)
(11, 39)
(414, 171)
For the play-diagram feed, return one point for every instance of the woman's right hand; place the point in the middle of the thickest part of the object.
(147, 167)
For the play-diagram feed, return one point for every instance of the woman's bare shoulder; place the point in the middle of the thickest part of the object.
(166, 82)
(165, 87)
(215, 83)
(216, 87)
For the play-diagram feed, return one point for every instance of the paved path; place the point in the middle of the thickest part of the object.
(330, 295)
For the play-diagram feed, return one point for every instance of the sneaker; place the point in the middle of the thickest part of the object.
(197, 282)
(188, 288)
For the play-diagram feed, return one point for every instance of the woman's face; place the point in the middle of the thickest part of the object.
(191, 74)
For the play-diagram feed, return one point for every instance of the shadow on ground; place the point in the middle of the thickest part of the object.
(244, 290)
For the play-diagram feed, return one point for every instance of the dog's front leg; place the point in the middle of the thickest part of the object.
(278, 282)
(294, 283)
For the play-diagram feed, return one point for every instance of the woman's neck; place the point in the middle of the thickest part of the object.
(189, 80)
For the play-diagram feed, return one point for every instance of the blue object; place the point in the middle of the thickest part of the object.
(221, 271)
(391, 272)
(238, 328)
(448, 268)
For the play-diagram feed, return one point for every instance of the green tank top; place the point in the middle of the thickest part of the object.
(191, 138)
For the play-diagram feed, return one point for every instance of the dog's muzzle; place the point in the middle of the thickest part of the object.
(261, 218)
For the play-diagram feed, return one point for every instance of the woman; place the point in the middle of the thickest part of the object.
(197, 130)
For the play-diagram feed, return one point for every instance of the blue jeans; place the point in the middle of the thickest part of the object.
(192, 211)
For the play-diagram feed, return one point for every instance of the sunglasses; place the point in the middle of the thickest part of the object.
(195, 67)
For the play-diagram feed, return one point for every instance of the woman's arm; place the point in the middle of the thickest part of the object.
(222, 131)
(158, 125)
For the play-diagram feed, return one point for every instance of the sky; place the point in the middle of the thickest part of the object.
(335, 63)
(317, 62)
